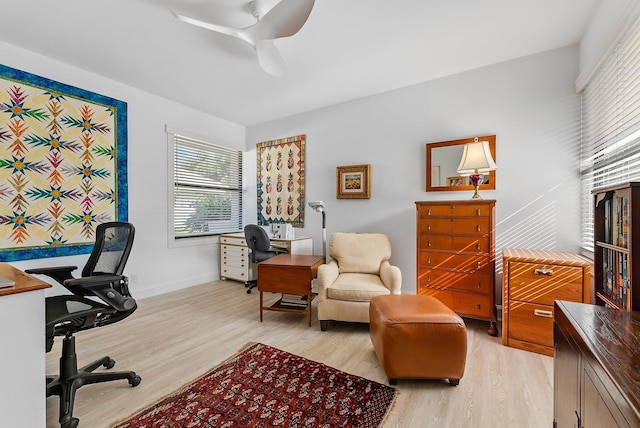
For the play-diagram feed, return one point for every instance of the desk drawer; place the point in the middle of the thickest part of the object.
(453, 210)
(242, 263)
(233, 240)
(241, 274)
(471, 304)
(457, 262)
(233, 251)
(468, 244)
(437, 278)
(460, 226)
(544, 283)
(531, 323)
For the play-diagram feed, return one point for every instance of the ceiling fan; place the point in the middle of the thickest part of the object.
(284, 20)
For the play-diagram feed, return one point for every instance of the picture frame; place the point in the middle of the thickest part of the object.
(456, 181)
(353, 182)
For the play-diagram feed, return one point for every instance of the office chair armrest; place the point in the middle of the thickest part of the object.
(100, 285)
(54, 270)
(91, 281)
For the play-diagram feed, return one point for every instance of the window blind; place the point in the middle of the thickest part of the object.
(610, 131)
(207, 188)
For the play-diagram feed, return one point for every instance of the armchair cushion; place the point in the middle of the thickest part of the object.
(359, 252)
(356, 287)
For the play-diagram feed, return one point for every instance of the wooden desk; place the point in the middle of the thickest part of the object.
(289, 274)
(596, 382)
(22, 360)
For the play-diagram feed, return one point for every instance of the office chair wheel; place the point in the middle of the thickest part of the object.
(72, 423)
(135, 381)
(249, 291)
(109, 364)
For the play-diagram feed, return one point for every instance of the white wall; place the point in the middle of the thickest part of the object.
(153, 267)
(529, 104)
(612, 20)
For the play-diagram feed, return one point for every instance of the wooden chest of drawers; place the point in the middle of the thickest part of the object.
(456, 256)
(532, 280)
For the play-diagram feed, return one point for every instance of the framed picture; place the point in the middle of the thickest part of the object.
(456, 181)
(353, 182)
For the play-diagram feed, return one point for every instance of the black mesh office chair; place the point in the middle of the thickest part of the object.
(66, 314)
(260, 245)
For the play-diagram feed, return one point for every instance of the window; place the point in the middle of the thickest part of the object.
(610, 141)
(207, 188)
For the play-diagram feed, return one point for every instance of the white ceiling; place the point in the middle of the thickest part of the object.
(347, 49)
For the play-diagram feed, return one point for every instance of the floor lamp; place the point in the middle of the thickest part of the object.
(320, 207)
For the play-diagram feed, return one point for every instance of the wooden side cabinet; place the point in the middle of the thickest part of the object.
(531, 281)
(596, 381)
(456, 256)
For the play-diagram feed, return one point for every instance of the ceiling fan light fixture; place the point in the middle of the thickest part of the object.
(284, 20)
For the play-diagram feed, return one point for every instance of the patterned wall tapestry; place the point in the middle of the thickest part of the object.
(280, 175)
(63, 166)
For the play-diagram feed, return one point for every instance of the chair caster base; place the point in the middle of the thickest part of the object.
(71, 423)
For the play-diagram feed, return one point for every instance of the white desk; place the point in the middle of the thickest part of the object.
(234, 254)
(22, 359)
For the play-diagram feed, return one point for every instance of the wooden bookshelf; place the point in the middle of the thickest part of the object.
(616, 233)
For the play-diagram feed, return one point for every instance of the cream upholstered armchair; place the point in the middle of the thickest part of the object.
(360, 269)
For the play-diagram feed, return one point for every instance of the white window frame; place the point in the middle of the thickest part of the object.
(237, 212)
(610, 128)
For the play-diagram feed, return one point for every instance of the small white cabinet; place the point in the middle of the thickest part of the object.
(234, 258)
(234, 254)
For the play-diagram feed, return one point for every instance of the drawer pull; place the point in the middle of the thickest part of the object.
(479, 265)
(429, 226)
(478, 211)
(542, 313)
(453, 220)
(478, 246)
(428, 243)
(543, 271)
(479, 284)
(429, 211)
(478, 307)
(428, 278)
(478, 228)
(429, 260)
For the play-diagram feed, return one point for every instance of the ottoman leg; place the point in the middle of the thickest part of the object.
(393, 381)
(454, 382)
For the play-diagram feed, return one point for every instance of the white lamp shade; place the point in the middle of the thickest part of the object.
(476, 159)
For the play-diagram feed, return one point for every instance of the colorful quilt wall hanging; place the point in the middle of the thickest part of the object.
(63, 166)
(280, 181)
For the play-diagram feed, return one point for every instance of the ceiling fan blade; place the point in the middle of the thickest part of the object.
(283, 20)
(230, 31)
(270, 58)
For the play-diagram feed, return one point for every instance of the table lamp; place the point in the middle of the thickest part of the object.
(320, 207)
(476, 161)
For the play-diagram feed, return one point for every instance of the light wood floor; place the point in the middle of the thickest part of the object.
(175, 337)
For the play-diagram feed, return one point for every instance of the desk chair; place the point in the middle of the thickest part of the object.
(67, 314)
(260, 245)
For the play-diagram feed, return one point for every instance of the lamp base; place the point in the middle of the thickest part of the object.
(475, 180)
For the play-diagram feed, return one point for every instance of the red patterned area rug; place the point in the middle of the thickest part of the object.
(262, 386)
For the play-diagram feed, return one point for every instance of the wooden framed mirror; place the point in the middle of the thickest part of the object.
(443, 159)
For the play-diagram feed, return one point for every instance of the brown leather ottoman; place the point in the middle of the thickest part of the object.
(417, 337)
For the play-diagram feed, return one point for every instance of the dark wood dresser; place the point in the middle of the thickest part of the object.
(455, 253)
(596, 367)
